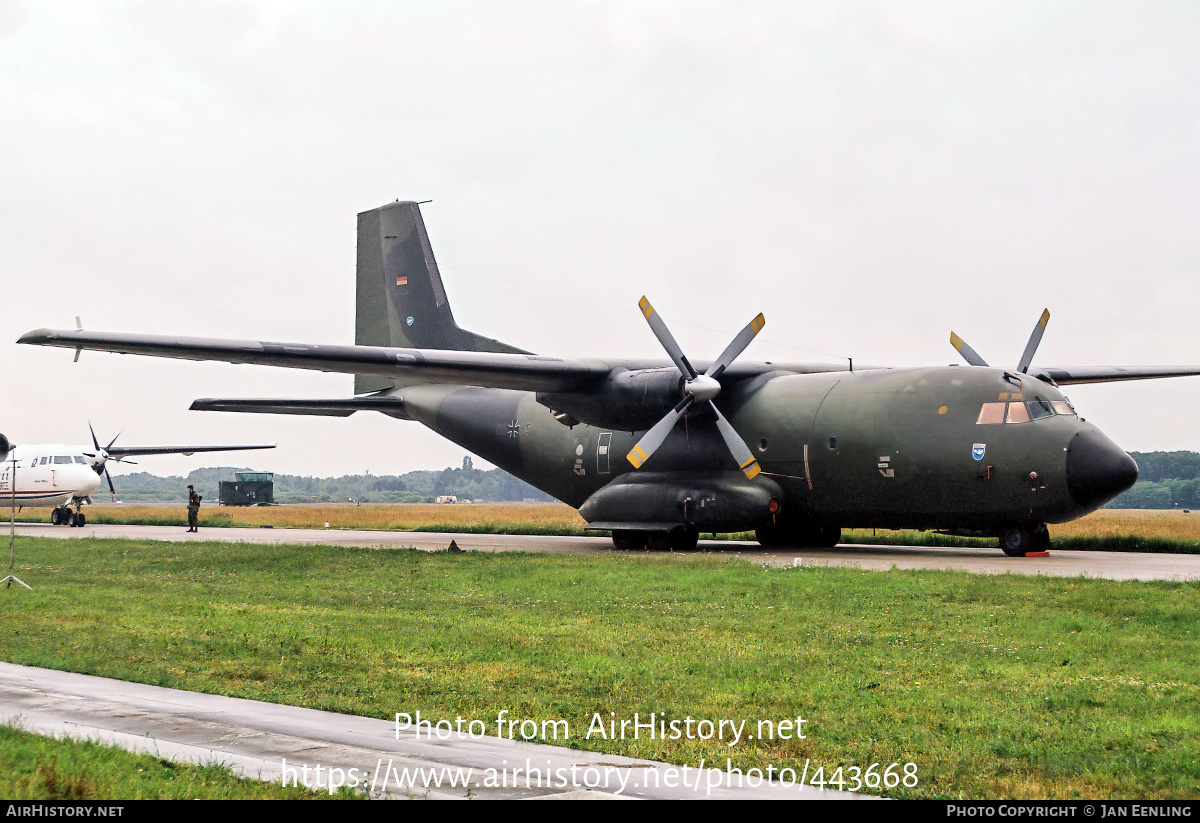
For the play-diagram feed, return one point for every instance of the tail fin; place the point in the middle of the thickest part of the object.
(400, 299)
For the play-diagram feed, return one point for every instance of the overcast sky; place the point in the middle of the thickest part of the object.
(869, 175)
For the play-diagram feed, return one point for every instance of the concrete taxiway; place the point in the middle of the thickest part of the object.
(270, 742)
(1106, 565)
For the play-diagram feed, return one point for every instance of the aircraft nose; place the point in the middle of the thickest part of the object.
(1097, 469)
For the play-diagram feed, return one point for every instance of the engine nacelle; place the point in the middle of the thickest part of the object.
(5, 447)
(628, 400)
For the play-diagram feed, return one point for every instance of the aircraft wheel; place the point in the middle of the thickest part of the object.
(1041, 539)
(71, 519)
(772, 536)
(56, 517)
(629, 541)
(683, 538)
(1016, 542)
(81, 520)
(658, 541)
(826, 537)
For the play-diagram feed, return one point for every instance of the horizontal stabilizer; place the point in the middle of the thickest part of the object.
(336, 407)
(120, 452)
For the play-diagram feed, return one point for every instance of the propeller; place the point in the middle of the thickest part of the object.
(973, 358)
(697, 388)
(101, 458)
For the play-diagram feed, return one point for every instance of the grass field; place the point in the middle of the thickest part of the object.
(1105, 530)
(994, 686)
(36, 767)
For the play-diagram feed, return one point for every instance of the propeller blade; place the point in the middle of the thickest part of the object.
(1034, 340)
(95, 442)
(969, 354)
(664, 337)
(654, 438)
(111, 489)
(114, 440)
(747, 462)
(737, 346)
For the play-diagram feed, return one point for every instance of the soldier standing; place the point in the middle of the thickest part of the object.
(193, 510)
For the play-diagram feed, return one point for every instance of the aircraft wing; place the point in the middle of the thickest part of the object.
(1110, 374)
(121, 452)
(525, 372)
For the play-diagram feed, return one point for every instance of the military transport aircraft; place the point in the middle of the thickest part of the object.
(795, 452)
(48, 474)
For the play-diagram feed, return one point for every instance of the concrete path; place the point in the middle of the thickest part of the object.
(267, 741)
(1107, 565)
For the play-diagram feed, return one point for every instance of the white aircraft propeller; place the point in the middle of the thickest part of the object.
(697, 387)
(101, 458)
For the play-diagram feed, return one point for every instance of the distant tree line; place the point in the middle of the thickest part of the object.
(466, 483)
(1166, 480)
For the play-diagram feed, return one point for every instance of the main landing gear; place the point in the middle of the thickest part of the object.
(63, 516)
(678, 539)
(800, 535)
(1020, 541)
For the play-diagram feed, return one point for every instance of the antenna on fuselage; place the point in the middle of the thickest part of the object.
(12, 527)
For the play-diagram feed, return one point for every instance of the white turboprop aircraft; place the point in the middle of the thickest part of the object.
(49, 474)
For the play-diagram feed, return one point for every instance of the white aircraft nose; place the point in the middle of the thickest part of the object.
(84, 480)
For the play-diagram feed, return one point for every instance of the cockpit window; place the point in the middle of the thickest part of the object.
(1039, 408)
(991, 413)
(79, 459)
(60, 459)
(1017, 413)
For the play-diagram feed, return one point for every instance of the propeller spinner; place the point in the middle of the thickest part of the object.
(697, 388)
